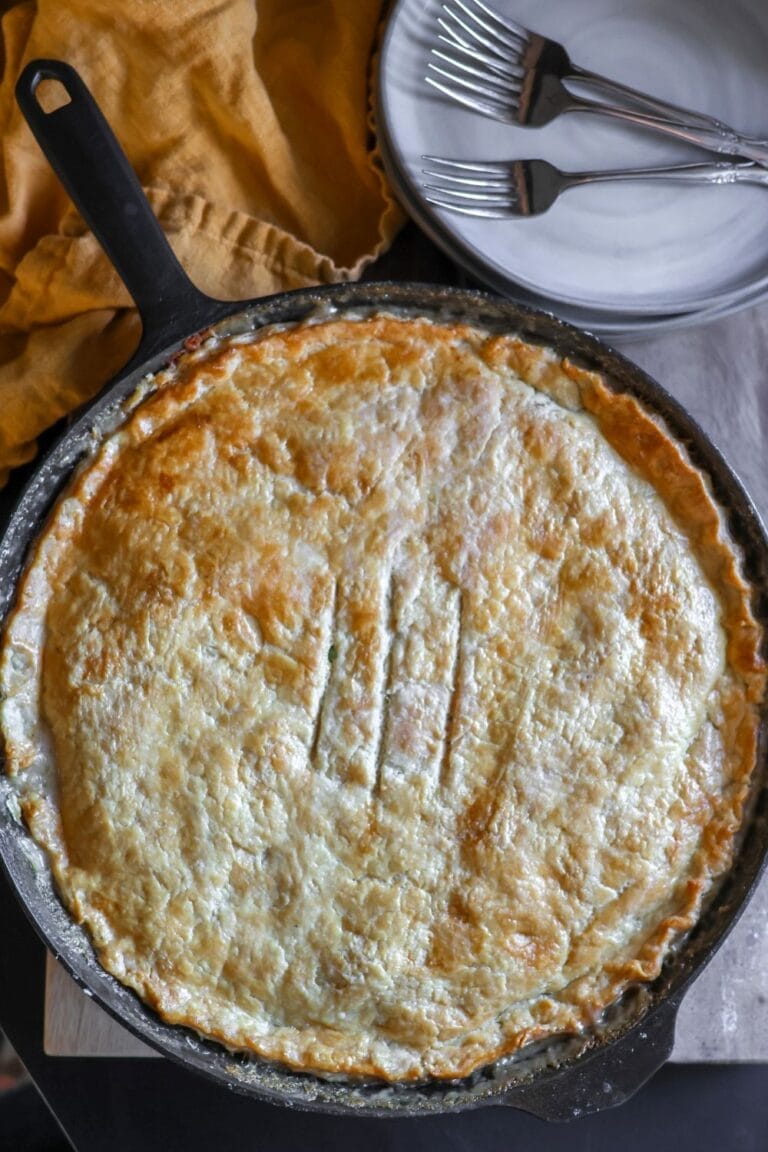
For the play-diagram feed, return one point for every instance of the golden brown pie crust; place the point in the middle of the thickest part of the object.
(385, 695)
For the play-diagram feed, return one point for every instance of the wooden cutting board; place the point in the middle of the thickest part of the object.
(75, 1026)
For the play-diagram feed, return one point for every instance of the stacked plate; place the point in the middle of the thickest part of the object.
(623, 259)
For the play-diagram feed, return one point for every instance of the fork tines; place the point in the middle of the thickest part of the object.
(474, 189)
(479, 37)
(485, 175)
(470, 87)
(483, 26)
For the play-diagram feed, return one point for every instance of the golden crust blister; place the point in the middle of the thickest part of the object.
(385, 695)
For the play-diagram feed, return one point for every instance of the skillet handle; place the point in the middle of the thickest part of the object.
(608, 1077)
(83, 151)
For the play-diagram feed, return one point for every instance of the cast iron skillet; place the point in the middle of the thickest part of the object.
(566, 1078)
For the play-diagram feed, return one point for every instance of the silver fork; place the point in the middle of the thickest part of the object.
(499, 68)
(500, 189)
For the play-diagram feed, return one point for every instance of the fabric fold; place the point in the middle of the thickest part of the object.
(248, 124)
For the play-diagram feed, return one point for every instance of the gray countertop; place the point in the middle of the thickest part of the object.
(720, 373)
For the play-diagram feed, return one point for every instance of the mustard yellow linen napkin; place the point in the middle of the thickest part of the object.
(247, 122)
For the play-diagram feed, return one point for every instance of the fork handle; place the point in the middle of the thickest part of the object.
(715, 173)
(645, 102)
(697, 129)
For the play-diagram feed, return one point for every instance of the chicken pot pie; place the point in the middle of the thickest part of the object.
(384, 693)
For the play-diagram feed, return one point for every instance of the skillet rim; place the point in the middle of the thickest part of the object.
(638, 1044)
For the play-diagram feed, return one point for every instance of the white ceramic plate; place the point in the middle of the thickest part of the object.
(626, 255)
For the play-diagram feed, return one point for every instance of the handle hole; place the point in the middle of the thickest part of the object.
(52, 95)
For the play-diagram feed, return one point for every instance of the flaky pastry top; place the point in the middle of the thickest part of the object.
(385, 694)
